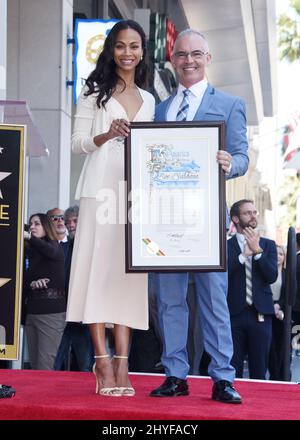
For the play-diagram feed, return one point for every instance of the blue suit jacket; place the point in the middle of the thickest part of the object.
(219, 106)
(264, 273)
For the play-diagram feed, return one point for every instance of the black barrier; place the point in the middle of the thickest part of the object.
(12, 157)
(289, 295)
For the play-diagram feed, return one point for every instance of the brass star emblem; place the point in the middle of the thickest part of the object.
(4, 281)
(2, 177)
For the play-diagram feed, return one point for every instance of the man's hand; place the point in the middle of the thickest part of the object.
(39, 284)
(278, 312)
(252, 240)
(247, 252)
(224, 159)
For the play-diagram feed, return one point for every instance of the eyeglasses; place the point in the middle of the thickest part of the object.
(195, 54)
(55, 218)
(249, 213)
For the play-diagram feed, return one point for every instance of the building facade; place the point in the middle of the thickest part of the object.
(36, 66)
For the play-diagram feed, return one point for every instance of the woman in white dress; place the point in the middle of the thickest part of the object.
(100, 291)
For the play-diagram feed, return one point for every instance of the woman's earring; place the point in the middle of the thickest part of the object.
(141, 57)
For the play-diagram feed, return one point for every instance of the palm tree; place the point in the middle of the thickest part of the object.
(289, 34)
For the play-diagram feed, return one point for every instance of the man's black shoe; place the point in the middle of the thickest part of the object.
(171, 387)
(6, 391)
(158, 368)
(223, 391)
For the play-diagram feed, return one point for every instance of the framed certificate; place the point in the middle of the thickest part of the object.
(175, 197)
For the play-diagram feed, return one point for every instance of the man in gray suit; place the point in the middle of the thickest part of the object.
(195, 99)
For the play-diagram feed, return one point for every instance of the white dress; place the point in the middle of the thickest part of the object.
(100, 291)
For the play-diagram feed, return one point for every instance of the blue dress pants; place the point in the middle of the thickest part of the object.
(211, 290)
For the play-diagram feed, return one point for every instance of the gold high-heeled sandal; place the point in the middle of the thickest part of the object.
(125, 391)
(105, 391)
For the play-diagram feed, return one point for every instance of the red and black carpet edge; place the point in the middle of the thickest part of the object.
(49, 395)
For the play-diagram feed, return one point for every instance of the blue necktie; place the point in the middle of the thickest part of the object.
(184, 106)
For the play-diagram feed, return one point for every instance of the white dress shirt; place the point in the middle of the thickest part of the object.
(195, 98)
(64, 240)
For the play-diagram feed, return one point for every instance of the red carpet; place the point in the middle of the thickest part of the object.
(43, 395)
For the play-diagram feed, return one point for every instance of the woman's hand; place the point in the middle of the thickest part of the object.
(118, 127)
(39, 284)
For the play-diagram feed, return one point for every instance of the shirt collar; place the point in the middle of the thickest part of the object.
(64, 240)
(197, 89)
(240, 238)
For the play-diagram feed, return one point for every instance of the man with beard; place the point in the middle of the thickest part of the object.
(252, 268)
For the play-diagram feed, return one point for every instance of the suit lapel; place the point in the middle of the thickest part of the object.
(236, 245)
(262, 243)
(205, 103)
(161, 115)
(204, 106)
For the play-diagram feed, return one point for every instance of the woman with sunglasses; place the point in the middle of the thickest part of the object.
(44, 294)
(100, 291)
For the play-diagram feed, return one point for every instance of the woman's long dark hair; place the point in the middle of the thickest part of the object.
(104, 78)
(47, 225)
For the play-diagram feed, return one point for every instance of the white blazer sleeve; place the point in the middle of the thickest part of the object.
(82, 138)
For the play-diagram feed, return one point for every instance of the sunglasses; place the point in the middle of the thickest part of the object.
(55, 218)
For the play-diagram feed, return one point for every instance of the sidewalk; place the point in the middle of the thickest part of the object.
(295, 367)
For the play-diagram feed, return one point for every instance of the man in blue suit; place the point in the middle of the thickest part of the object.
(252, 267)
(197, 100)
